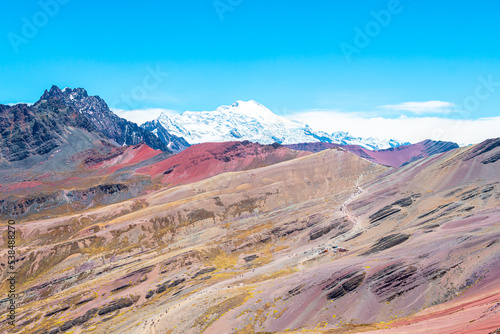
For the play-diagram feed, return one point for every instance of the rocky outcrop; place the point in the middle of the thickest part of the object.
(41, 128)
(77, 198)
(343, 285)
(482, 149)
(36, 130)
(174, 143)
(115, 305)
(387, 242)
(97, 112)
(390, 210)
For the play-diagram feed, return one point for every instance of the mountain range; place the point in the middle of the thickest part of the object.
(44, 126)
(254, 122)
(240, 236)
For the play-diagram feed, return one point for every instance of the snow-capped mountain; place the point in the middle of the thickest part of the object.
(254, 122)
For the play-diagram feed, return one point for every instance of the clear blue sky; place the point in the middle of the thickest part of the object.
(285, 54)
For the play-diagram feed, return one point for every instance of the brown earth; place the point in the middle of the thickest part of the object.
(324, 243)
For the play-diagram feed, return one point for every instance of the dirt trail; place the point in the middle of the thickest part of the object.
(343, 208)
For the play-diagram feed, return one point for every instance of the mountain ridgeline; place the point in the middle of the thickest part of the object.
(42, 127)
(393, 157)
(104, 120)
(71, 117)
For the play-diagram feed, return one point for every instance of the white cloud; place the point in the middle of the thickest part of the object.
(140, 116)
(428, 107)
(412, 129)
(367, 124)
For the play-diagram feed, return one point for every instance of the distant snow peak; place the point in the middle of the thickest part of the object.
(250, 120)
(248, 108)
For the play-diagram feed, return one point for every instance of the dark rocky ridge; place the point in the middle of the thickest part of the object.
(97, 112)
(77, 199)
(36, 130)
(176, 144)
(482, 148)
(386, 243)
(349, 284)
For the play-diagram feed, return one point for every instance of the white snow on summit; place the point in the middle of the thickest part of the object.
(254, 122)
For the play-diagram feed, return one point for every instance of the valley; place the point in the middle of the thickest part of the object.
(245, 251)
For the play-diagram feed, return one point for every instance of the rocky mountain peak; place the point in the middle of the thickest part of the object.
(54, 92)
(57, 109)
(77, 93)
(68, 95)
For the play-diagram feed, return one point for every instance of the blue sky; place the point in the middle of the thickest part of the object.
(288, 55)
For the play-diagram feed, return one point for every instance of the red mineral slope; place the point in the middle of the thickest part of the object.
(393, 157)
(205, 160)
(474, 315)
(22, 185)
(121, 157)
